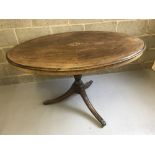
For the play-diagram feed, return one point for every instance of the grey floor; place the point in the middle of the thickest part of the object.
(126, 100)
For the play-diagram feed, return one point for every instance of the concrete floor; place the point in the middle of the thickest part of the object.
(126, 100)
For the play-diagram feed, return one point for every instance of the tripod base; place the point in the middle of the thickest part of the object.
(79, 87)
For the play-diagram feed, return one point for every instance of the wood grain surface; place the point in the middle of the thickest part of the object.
(73, 53)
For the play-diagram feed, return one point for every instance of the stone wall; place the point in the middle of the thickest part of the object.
(15, 31)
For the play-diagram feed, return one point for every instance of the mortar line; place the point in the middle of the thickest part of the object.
(16, 36)
(68, 22)
(84, 28)
(51, 30)
(31, 25)
(116, 28)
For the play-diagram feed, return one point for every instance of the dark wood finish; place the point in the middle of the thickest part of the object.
(79, 87)
(76, 53)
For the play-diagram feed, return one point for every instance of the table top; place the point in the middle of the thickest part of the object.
(74, 53)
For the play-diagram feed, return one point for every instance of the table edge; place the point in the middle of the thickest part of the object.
(47, 71)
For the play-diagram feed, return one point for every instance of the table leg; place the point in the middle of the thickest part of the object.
(91, 108)
(60, 98)
(78, 87)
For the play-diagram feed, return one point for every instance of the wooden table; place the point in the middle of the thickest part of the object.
(76, 53)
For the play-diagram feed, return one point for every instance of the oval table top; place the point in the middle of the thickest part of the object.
(73, 53)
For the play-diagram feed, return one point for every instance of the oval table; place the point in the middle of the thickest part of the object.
(76, 53)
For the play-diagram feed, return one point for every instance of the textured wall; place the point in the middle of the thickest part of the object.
(13, 32)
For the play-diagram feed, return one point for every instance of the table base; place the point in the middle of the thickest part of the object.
(79, 87)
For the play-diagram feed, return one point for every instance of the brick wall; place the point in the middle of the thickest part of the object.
(13, 32)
